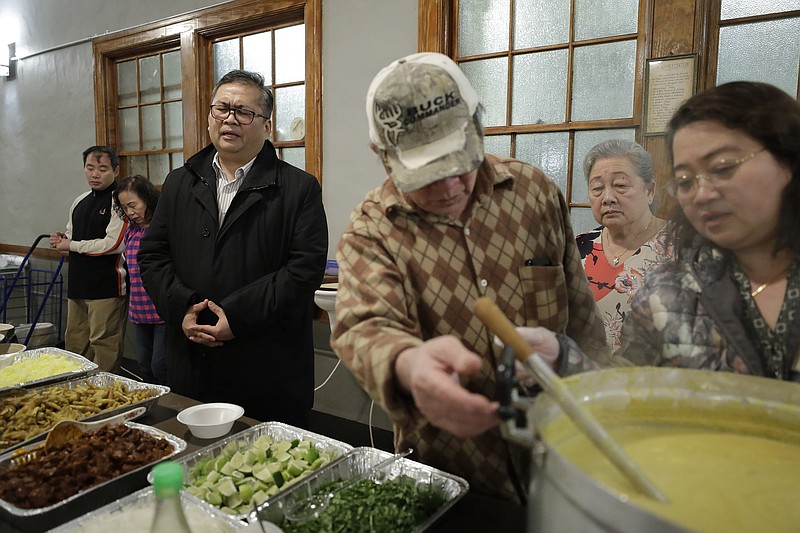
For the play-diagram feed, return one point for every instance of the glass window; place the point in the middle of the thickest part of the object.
(550, 18)
(149, 113)
(547, 151)
(483, 26)
(605, 18)
(604, 69)
(489, 76)
(290, 55)
(777, 63)
(497, 144)
(540, 88)
(732, 9)
(545, 87)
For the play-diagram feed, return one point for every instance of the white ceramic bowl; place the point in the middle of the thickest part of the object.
(4, 329)
(11, 348)
(210, 420)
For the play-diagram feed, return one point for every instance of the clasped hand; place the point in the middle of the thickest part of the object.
(207, 335)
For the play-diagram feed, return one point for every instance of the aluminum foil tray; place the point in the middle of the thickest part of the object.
(45, 518)
(86, 366)
(276, 430)
(353, 464)
(194, 509)
(100, 379)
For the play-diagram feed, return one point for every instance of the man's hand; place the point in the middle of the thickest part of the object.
(211, 336)
(431, 373)
(59, 241)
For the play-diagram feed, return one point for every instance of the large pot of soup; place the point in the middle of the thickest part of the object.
(724, 448)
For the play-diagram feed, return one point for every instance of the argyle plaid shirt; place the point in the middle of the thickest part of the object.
(406, 276)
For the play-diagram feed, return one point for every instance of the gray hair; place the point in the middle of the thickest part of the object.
(636, 154)
(254, 79)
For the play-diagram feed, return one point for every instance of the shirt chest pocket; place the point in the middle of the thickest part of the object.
(545, 296)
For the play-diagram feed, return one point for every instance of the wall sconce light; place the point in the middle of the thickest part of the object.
(8, 62)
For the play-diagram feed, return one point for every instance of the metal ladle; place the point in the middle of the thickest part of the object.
(493, 318)
(315, 504)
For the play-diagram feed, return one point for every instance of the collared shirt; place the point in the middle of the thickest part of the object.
(407, 276)
(226, 190)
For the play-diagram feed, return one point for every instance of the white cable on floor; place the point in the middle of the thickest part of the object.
(329, 375)
(371, 437)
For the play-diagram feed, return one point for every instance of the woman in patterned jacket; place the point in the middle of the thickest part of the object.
(731, 300)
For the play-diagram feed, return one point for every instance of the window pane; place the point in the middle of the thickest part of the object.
(129, 129)
(584, 141)
(137, 164)
(582, 220)
(176, 160)
(732, 9)
(550, 18)
(540, 88)
(489, 76)
(482, 26)
(605, 18)
(290, 54)
(602, 81)
(159, 168)
(497, 145)
(776, 64)
(151, 127)
(257, 50)
(150, 79)
(172, 75)
(173, 124)
(290, 103)
(548, 151)
(226, 57)
(126, 83)
(294, 156)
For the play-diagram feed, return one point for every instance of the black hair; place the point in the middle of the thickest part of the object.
(140, 186)
(764, 113)
(112, 154)
(254, 79)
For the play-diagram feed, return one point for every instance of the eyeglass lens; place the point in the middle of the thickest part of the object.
(243, 116)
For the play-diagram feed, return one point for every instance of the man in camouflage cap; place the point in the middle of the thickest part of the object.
(449, 225)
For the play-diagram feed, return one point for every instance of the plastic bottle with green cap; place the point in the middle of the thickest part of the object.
(167, 485)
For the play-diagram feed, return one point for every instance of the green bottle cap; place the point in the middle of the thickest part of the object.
(167, 477)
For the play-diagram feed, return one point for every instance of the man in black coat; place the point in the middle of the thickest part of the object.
(236, 248)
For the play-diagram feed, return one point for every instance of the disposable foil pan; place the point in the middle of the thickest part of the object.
(213, 519)
(358, 461)
(86, 366)
(278, 431)
(45, 518)
(99, 379)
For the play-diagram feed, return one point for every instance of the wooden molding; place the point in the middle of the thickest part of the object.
(39, 253)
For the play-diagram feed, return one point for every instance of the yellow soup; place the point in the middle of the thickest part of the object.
(737, 473)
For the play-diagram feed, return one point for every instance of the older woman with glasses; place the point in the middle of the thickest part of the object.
(631, 240)
(731, 299)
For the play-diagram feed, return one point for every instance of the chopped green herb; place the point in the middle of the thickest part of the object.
(397, 505)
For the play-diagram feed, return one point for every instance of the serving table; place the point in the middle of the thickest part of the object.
(472, 513)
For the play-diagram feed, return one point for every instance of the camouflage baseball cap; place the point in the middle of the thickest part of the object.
(424, 114)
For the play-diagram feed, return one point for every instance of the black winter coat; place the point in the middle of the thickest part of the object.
(262, 267)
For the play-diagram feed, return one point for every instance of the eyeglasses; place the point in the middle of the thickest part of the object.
(242, 116)
(684, 185)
